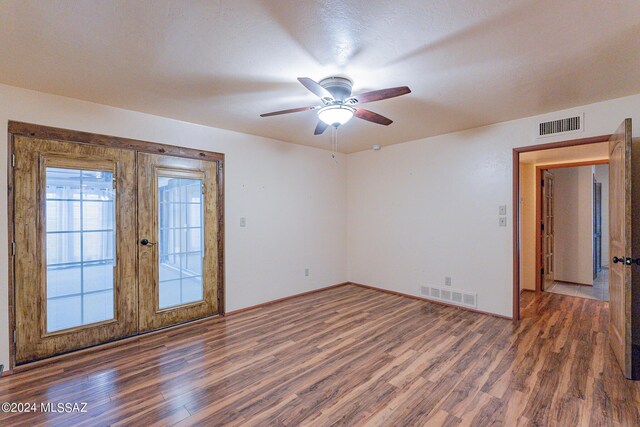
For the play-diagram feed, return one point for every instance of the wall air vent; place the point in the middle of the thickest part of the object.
(461, 298)
(469, 299)
(456, 297)
(435, 292)
(560, 126)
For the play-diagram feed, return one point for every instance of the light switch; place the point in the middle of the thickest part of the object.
(502, 222)
(243, 222)
(502, 210)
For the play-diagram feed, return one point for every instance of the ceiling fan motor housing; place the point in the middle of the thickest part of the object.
(339, 87)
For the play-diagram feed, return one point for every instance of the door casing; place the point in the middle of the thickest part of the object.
(30, 130)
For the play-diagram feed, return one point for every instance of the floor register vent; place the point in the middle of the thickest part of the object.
(461, 298)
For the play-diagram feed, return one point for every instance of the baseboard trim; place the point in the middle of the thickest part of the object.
(7, 373)
(264, 304)
(572, 283)
(473, 310)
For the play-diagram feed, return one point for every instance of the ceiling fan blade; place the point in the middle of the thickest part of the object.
(315, 88)
(378, 95)
(292, 110)
(370, 116)
(320, 127)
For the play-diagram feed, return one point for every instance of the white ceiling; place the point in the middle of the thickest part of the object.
(222, 63)
(578, 153)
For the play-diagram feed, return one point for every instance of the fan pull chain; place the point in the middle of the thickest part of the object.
(334, 142)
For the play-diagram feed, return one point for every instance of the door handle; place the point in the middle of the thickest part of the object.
(626, 261)
(146, 242)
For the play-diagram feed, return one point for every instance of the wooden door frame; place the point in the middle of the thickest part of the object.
(46, 132)
(538, 207)
(516, 204)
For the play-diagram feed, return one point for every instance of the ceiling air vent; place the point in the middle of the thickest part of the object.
(560, 126)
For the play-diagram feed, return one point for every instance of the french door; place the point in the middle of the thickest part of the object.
(109, 242)
(548, 226)
(176, 216)
(73, 206)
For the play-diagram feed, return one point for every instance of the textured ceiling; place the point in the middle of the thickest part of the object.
(222, 63)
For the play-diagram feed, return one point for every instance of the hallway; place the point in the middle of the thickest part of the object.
(599, 290)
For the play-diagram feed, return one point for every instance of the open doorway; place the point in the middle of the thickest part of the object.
(570, 201)
(623, 326)
(534, 249)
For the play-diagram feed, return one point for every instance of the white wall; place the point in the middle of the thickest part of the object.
(426, 209)
(527, 226)
(294, 197)
(407, 215)
(602, 175)
(573, 233)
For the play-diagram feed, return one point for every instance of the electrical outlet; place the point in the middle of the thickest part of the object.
(502, 222)
(447, 281)
(306, 272)
(243, 222)
(502, 210)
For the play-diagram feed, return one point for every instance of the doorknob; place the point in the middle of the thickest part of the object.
(626, 261)
(146, 242)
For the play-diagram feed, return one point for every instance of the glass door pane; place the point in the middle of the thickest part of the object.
(80, 247)
(180, 241)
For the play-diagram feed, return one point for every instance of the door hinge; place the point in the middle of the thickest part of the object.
(13, 160)
(13, 248)
(14, 337)
(542, 271)
(542, 226)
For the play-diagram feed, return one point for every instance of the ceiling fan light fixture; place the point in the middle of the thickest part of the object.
(336, 115)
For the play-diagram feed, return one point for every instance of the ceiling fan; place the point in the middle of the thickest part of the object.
(338, 105)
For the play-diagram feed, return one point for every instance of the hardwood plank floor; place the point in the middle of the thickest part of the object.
(349, 356)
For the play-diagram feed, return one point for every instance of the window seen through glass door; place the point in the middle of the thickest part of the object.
(80, 247)
(180, 241)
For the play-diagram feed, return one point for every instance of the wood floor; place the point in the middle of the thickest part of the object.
(350, 356)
